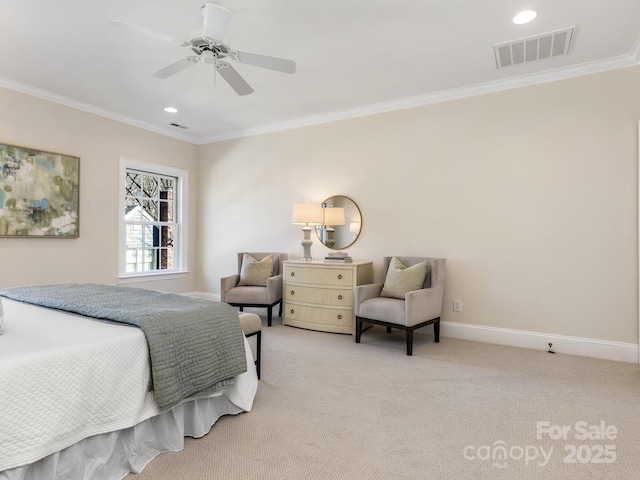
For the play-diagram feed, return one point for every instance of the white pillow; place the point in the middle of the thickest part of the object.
(254, 272)
(401, 279)
(1, 318)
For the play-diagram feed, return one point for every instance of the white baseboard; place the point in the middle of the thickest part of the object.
(585, 347)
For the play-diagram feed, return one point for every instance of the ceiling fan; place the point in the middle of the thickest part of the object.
(208, 46)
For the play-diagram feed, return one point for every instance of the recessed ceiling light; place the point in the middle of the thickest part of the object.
(170, 110)
(525, 17)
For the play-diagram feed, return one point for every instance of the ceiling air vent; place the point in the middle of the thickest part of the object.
(178, 126)
(533, 48)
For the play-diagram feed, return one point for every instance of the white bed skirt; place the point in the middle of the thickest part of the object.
(112, 456)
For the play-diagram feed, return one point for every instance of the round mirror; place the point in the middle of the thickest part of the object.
(342, 222)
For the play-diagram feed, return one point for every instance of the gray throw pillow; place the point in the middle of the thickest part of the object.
(401, 279)
(254, 272)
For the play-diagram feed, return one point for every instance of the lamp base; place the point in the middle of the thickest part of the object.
(330, 241)
(306, 244)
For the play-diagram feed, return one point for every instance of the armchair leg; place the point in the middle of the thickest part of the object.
(407, 329)
(409, 341)
(280, 312)
(241, 308)
(388, 329)
(269, 315)
(258, 348)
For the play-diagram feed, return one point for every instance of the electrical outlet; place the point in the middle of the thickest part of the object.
(457, 305)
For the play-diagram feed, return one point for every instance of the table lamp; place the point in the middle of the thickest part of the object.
(306, 213)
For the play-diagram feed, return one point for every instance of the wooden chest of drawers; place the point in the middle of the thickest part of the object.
(320, 296)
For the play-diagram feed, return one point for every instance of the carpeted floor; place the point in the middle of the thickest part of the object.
(328, 408)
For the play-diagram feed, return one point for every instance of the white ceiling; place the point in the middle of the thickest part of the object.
(353, 57)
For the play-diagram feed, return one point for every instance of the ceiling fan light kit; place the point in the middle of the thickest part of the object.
(216, 22)
(208, 46)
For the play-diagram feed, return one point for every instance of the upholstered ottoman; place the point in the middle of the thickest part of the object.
(252, 325)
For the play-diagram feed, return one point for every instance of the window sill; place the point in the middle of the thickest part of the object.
(152, 277)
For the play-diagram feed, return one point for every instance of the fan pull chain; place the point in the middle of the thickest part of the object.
(215, 73)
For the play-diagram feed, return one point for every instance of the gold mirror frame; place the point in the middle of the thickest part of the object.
(339, 237)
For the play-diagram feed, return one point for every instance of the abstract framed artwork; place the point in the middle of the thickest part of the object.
(39, 193)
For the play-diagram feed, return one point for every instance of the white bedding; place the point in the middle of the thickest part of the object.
(64, 378)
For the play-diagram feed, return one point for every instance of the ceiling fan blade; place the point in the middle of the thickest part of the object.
(164, 37)
(233, 78)
(266, 61)
(176, 67)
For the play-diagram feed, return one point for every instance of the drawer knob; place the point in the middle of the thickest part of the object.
(293, 274)
(339, 317)
(292, 311)
(293, 292)
(339, 277)
(339, 297)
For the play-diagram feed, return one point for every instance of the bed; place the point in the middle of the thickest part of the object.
(76, 397)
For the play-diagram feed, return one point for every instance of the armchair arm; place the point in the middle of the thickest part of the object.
(365, 292)
(423, 305)
(227, 283)
(274, 288)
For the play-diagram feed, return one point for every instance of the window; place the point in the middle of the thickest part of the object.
(153, 219)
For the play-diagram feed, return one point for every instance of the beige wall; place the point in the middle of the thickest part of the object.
(530, 195)
(35, 123)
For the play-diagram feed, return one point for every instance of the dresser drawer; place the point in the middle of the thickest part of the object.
(323, 296)
(318, 275)
(320, 296)
(320, 316)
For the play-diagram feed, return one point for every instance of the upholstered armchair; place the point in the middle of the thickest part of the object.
(258, 282)
(410, 297)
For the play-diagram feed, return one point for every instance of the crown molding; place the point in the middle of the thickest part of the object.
(623, 61)
(85, 107)
(615, 63)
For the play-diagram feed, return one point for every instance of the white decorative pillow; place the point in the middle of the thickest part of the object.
(254, 272)
(1, 318)
(401, 279)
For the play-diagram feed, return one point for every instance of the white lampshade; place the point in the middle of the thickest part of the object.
(333, 216)
(216, 22)
(307, 213)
